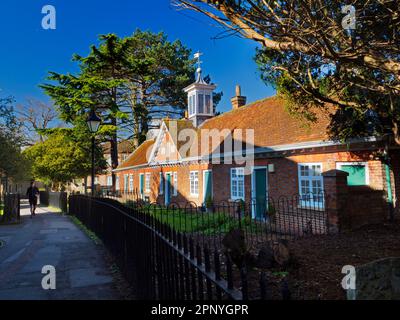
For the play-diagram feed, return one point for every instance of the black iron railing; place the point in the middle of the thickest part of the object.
(177, 253)
(11, 208)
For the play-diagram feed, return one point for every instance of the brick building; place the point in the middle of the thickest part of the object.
(254, 152)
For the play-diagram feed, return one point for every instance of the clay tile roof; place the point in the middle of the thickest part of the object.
(139, 156)
(272, 123)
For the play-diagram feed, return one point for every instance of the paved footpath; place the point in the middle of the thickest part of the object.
(51, 239)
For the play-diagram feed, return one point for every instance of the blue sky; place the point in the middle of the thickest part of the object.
(28, 52)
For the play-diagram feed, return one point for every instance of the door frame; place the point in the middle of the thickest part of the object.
(141, 185)
(204, 185)
(167, 188)
(253, 186)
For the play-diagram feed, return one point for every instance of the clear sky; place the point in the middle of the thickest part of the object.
(28, 52)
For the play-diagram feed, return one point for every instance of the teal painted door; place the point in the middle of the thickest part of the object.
(167, 189)
(207, 186)
(260, 184)
(141, 185)
(356, 175)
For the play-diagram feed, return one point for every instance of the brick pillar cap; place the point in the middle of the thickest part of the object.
(335, 173)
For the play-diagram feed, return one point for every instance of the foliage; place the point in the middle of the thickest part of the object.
(316, 62)
(130, 79)
(209, 224)
(64, 155)
(12, 163)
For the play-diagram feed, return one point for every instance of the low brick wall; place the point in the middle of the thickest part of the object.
(364, 206)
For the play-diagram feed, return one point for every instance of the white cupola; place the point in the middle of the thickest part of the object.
(200, 97)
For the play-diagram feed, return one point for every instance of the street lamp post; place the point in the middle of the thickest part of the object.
(93, 123)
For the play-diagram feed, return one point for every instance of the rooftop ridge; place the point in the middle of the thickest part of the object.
(246, 106)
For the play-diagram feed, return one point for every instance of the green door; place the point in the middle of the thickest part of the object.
(167, 189)
(141, 186)
(260, 199)
(207, 186)
(356, 175)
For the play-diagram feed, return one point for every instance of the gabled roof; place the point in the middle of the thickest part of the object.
(175, 127)
(272, 123)
(139, 156)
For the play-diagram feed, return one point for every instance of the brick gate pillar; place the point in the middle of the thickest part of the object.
(336, 193)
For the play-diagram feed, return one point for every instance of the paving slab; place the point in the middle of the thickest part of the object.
(52, 239)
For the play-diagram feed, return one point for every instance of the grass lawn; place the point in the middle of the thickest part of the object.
(213, 223)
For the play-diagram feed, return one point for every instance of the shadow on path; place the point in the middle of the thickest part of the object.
(51, 239)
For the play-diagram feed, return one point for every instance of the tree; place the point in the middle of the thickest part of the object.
(64, 155)
(35, 115)
(127, 81)
(12, 163)
(315, 59)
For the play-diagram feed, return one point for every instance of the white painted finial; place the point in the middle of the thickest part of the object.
(197, 56)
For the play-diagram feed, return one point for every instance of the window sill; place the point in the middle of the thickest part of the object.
(315, 208)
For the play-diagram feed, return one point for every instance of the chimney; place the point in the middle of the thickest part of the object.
(238, 100)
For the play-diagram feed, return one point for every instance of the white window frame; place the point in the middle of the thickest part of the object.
(126, 182)
(193, 191)
(117, 185)
(192, 104)
(356, 163)
(311, 203)
(238, 180)
(131, 182)
(109, 181)
(147, 182)
(209, 95)
(175, 183)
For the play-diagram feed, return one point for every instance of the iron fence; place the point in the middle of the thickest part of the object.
(188, 252)
(261, 221)
(12, 209)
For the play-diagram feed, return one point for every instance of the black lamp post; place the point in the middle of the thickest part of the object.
(93, 123)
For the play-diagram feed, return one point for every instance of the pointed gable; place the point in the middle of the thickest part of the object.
(138, 157)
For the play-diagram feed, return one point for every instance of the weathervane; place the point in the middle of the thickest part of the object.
(197, 56)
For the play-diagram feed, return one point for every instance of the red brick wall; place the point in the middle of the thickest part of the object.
(364, 206)
(283, 182)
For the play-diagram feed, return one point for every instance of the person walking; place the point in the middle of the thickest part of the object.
(33, 194)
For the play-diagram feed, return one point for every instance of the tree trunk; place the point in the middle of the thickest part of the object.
(114, 155)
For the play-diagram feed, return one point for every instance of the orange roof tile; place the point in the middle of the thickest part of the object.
(272, 123)
(139, 156)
